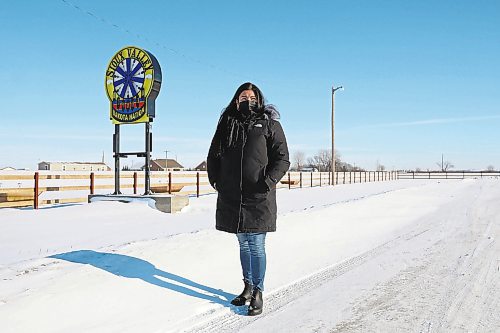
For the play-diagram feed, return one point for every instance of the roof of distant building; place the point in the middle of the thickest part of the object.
(171, 163)
(202, 165)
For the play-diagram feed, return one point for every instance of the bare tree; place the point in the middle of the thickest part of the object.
(299, 159)
(322, 161)
(338, 161)
(490, 168)
(380, 167)
(444, 165)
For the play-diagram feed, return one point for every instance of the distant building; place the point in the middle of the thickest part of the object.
(309, 169)
(73, 166)
(7, 169)
(202, 166)
(166, 165)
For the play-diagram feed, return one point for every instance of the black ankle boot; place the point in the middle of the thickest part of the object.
(244, 297)
(256, 304)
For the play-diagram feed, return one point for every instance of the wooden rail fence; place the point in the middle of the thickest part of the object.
(45, 187)
(447, 174)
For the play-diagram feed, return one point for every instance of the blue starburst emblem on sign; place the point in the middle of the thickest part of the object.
(128, 78)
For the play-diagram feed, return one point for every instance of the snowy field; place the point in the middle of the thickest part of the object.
(396, 256)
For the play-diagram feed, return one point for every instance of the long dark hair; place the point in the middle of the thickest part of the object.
(229, 129)
(262, 106)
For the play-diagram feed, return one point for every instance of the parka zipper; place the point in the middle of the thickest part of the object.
(241, 173)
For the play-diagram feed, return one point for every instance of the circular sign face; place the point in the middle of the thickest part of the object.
(130, 79)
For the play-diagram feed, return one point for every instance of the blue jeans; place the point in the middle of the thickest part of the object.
(253, 258)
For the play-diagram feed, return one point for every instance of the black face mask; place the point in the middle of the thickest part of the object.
(247, 108)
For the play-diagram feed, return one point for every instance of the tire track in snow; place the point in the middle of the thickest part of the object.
(223, 321)
(453, 288)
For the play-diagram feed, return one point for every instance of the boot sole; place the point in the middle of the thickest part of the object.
(254, 312)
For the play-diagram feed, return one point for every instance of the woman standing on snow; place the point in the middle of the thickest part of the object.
(247, 158)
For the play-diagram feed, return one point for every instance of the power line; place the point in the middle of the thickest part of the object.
(146, 39)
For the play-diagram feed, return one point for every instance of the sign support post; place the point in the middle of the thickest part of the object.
(133, 81)
(116, 155)
(147, 168)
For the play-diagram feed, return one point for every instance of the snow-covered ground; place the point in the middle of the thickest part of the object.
(397, 256)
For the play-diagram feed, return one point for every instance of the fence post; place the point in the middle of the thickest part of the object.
(289, 182)
(197, 184)
(311, 179)
(320, 179)
(337, 177)
(300, 179)
(463, 174)
(35, 194)
(343, 180)
(92, 183)
(170, 182)
(135, 182)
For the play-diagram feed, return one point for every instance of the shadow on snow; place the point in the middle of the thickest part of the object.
(135, 268)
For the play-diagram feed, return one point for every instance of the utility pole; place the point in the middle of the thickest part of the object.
(166, 160)
(333, 131)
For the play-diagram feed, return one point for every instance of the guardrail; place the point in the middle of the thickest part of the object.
(26, 189)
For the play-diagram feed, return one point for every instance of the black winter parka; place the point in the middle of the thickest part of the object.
(246, 175)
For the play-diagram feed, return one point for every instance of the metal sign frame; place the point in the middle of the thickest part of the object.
(133, 81)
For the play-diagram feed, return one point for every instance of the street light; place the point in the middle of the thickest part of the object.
(333, 130)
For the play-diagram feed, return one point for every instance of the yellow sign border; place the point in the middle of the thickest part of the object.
(140, 116)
